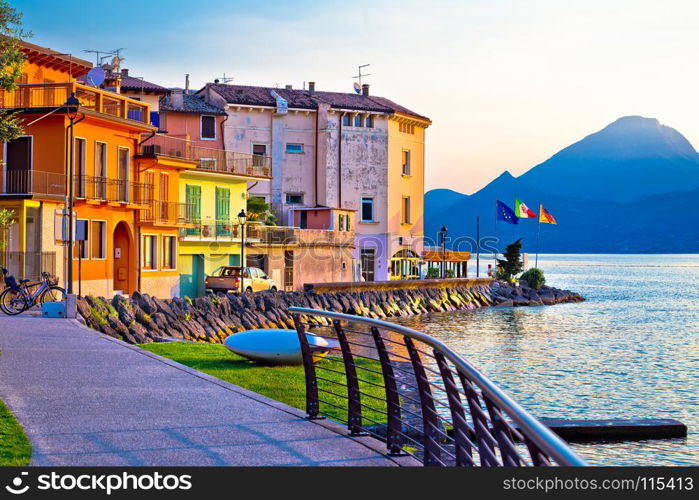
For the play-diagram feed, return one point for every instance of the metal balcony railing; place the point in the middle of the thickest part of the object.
(112, 190)
(214, 160)
(51, 95)
(169, 212)
(436, 405)
(32, 182)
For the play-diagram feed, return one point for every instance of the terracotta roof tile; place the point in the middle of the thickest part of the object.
(303, 99)
(191, 104)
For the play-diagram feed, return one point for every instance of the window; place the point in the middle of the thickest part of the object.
(357, 120)
(405, 219)
(294, 199)
(150, 252)
(100, 181)
(367, 209)
(223, 211)
(98, 237)
(369, 122)
(346, 120)
(294, 148)
(368, 260)
(341, 222)
(169, 252)
(259, 151)
(406, 162)
(208, 127)
(123, 175)
(193, 197)
(79, 171)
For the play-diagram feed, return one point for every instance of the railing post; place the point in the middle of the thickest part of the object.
(309, 370)
(394, 440)
(462, 431)
(430, 420)
(354, 405)
(486, 442)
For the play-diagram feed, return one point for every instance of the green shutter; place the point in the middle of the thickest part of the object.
(223, 211)
(193, 196)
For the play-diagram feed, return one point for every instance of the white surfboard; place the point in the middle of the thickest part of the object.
(274, 346)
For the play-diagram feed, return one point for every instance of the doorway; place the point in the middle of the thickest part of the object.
(124, 264)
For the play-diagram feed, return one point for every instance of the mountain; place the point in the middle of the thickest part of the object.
(623, 161)
(627, 188)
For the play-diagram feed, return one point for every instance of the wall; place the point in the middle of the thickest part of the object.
(400, 185)
(181, 125)
(292, 172)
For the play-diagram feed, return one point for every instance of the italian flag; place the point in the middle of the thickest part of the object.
(523, 211)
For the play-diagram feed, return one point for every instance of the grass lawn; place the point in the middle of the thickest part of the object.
(282, 383)
(15, 449)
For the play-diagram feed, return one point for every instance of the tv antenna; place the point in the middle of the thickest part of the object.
(360, 75)
(225, 79)
(101, 55)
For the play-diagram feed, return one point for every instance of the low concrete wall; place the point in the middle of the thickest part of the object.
(395, 285)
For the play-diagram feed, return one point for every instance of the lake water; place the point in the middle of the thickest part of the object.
(630, 351)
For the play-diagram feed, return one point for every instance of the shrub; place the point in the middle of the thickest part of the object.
(511, 265)
(534, 278)
(449, 273)
(433, 272)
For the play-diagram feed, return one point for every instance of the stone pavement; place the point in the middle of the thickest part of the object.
(88, 399)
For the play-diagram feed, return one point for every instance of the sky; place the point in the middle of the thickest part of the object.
(507, 83)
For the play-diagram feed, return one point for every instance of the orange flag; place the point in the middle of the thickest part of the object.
(545, 217)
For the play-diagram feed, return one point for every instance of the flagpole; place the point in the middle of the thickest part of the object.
(495, 253)
(538, 235)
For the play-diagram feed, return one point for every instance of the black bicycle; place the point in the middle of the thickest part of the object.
(17, 296)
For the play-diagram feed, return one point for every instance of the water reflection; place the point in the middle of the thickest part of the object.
(630, 351)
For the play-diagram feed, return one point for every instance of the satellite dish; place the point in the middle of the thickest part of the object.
(95, 77)
(357, 88)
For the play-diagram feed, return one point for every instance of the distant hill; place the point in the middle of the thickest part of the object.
(630, 187)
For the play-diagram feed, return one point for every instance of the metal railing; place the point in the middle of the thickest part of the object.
(33, 182)
(424, 400)
(28, 265)
(112, 190)
(169, 212)
(51, 95)
(210, 159)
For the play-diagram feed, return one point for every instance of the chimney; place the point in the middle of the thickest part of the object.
(288, 87)
(312, 87)
(124, 72)
(365, 89)
(217, 80)
(177, 99)
(186, 82)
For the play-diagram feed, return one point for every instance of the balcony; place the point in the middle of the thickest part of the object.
(33, 183)
(281, 235)
(212, 160)
(169, 213)
(52, 95)
(112, 190)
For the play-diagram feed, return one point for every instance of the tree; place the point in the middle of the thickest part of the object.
(7, 218)
(11, 65)
(511, 265)
(260, 211)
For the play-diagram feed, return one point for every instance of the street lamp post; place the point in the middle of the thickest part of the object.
(443, 241)
(72, 104)
(242, 219)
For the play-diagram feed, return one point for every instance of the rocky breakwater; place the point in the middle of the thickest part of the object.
(143, 318)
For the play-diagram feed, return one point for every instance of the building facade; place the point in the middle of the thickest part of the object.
(353, 152)
(108, 187)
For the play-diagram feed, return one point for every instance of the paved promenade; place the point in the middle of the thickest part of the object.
(86, 399)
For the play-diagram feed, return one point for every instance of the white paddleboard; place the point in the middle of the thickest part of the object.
(274, 346)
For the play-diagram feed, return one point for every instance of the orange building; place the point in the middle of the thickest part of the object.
(116, 192)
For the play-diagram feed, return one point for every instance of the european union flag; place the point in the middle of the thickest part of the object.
(505, 213)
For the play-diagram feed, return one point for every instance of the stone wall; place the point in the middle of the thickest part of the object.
(143, 318)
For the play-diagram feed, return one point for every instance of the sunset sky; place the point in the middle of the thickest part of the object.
(506, 83)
